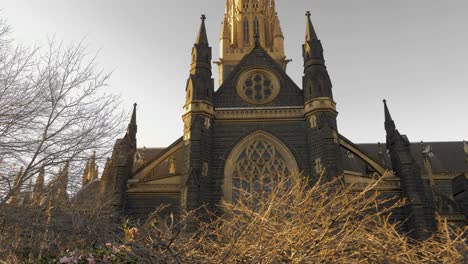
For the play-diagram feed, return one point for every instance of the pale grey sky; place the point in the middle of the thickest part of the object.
(411, 52)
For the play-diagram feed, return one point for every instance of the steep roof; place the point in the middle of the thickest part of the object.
(290, 94)
(446, 157)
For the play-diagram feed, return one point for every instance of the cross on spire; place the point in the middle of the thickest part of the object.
(257, 39)
(310, 31)
(202, 38)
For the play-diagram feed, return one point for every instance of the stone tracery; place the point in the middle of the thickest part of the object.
(259, 156)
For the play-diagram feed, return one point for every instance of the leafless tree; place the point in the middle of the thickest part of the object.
(54, 108)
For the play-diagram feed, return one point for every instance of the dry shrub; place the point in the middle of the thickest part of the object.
(287, 220)
(291, 220)
(33, 233)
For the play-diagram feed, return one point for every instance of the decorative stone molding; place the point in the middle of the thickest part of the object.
(260, 113)
(455, 217)
(157, 188)
(441, 176)
(207, 123)
(172, 165)
(199, 107)
(318, 166)
(205, 169)
(320, 104)
(361, 182)
(313, 121)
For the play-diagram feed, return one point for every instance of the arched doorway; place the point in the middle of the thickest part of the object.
(259, 154)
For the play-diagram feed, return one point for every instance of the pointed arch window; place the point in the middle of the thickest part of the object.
(256, 27)
(256, 159)
(246, 31)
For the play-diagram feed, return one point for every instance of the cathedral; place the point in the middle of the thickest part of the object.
(257, 121)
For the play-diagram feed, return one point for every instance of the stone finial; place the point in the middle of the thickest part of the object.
(257, 39)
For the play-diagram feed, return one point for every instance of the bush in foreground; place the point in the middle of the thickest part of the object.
(291, 221)
(287, 220)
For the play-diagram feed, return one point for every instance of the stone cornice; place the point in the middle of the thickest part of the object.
(454, 217)
(199, 106)
(320, 104)
(384, 185)
(259, 113)
(156, 188)
(441, 176)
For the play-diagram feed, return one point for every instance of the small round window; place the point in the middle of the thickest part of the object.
(258, 86)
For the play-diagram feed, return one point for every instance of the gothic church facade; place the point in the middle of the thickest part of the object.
(259, 122)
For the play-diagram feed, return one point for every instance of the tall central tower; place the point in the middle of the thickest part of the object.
(244, 20)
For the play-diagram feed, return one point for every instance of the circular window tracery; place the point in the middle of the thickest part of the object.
(258, 86)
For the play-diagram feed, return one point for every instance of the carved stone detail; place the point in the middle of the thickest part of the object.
(205, 169)
(259, 113)
(164, 188)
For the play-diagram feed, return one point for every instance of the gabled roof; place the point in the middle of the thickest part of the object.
(290, 94)
(446, 157)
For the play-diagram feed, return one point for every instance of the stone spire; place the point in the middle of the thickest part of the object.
(389, 123)
(106, 183)
(130, 136)
(312, 50)
(242, 21)
(316, 81)
(200, 85)
(61, 195)
(38, 190)
(16, 198)
(201, 51)
(310, 31)
(420, 210)
(320, 107)
(202, 36)
(91, 170)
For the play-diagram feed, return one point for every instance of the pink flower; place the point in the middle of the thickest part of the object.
(65, 260)
(108, 244)
(91, 260)
(116, 250)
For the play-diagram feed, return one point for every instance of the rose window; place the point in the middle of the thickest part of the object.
(258, 86)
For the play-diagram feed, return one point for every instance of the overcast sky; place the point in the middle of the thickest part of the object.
(413, 53)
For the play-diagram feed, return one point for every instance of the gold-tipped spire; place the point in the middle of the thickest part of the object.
(310, 31)
(244, 20)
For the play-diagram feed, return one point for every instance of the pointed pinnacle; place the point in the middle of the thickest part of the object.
(39, 186)
(202, 36)
(310, 31)
(388, 117)
(133, 120)
(257, 40)
(389, 123)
